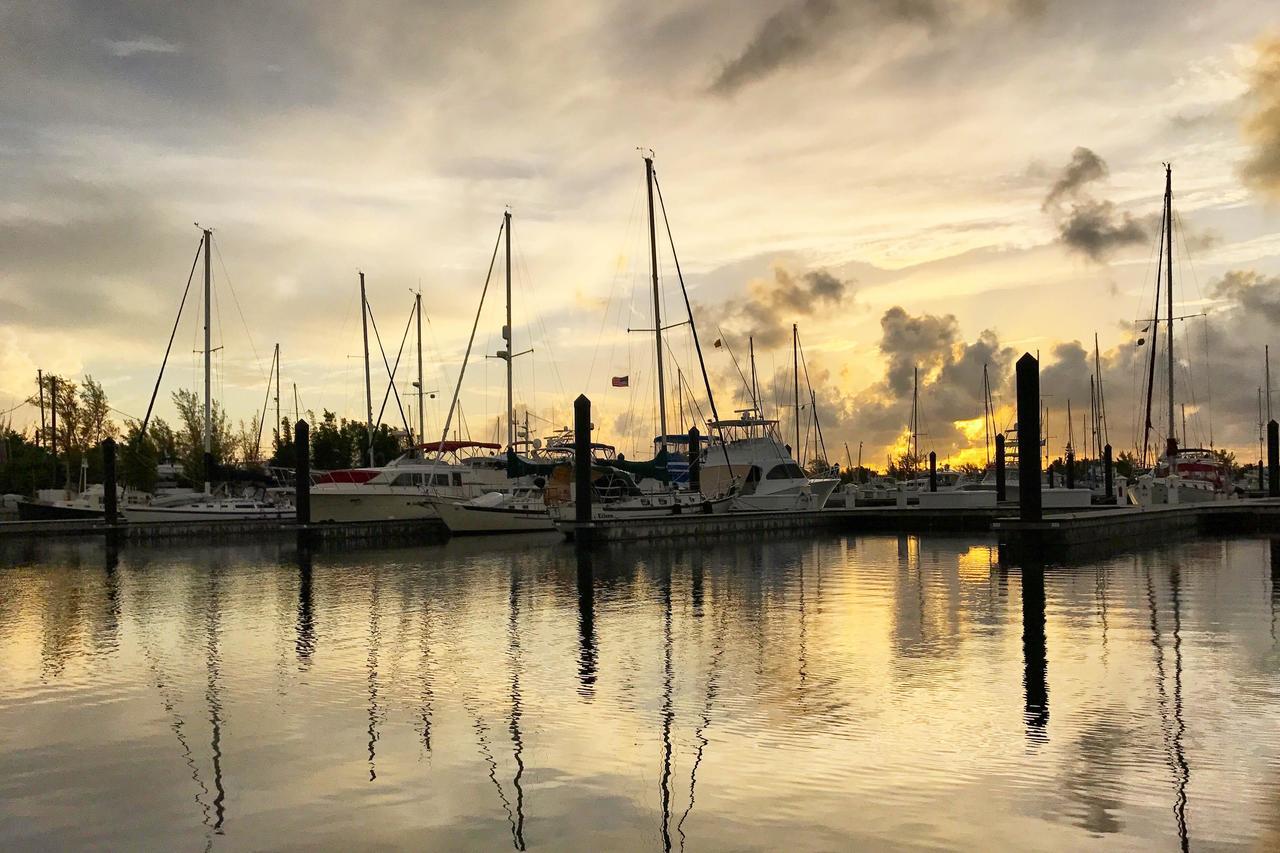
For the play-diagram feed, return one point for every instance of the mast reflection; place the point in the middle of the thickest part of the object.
(214, 668)
(1035, 659)
(517, 740)
(668, 714)
(375, 643)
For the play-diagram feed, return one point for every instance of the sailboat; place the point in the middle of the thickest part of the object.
(409, 486)
(1180, 475)
(206, 506)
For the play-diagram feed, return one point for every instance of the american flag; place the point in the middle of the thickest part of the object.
(621, 381)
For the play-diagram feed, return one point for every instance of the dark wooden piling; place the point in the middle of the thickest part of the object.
(1071, 470)
(1273, 459)
(695, 460)
(110, 508)
(933, 471)
(302, 472)
(1001, 484)
(1029, 503)
(1108, 474)
(582, 464)
(1049, 475)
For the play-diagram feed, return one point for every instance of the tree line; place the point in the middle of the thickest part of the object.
(77, 417)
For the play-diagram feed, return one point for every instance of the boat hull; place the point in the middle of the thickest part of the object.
(176, 514)
(470, 519)
(345, 506)
(32, 511)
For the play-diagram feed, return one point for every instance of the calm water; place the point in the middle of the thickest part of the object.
(830, 693)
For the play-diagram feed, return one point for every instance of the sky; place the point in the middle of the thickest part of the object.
(916, 184)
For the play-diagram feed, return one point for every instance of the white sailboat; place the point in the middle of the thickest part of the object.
(206, 507)
(1180, 475)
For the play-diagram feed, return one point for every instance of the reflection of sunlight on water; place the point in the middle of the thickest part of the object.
(740, 695)
(975, 564)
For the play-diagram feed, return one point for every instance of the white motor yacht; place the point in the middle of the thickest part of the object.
(755, 470)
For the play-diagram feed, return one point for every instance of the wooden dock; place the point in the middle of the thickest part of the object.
(401, 532)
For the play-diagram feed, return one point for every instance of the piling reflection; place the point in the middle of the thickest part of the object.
(668, 711)
(587, 655)
(213, 696)
(1035, 658)
(514, 659)
(305, 644)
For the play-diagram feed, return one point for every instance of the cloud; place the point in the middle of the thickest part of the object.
(798, 32)
(1088, 225)
(1252, 292)
(142, 44)
(1262, 126)
(772, 306)
(1085, 167)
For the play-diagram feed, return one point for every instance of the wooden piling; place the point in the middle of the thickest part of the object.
(695, 460)
(1001, 484)
(302, 472)
(1273, 459)
(933, 471)
(109, 506)
(1108, 474)
(1028, 381)
(582, 464)
(1071, 469)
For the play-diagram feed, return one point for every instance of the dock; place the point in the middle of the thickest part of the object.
(398, 532)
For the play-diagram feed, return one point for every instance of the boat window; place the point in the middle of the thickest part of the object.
(753, 480)
(786, 471)
(403, 480)
(457, 478)
(440, 479)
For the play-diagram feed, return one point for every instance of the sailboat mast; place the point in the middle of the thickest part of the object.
(277, 429)
(421, 415)
(1172, 440)
(506, 334)
(657, 310)
(915, 417)
(1266, 363)
(368, 387)
(795, 370)
(208, 385)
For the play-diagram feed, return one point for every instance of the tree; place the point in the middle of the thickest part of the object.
(331, 444)
(164, 439)
(190, 439)
(138, 459)
(817, 467)
(83, 417)
(27, 466)
(1126, 464)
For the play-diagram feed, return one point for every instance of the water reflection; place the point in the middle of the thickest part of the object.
(1035, 659)
(587, 657)
(763, 686)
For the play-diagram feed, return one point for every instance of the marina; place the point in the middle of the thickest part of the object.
(815, 425)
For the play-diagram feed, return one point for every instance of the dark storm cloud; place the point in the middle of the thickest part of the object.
(950, 372)
(1085, 167)
(794, 33)
(772, 306)
(1262, 127)
(1095, 228)
(798, 32)
(1088, 225)
(1253, 293)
